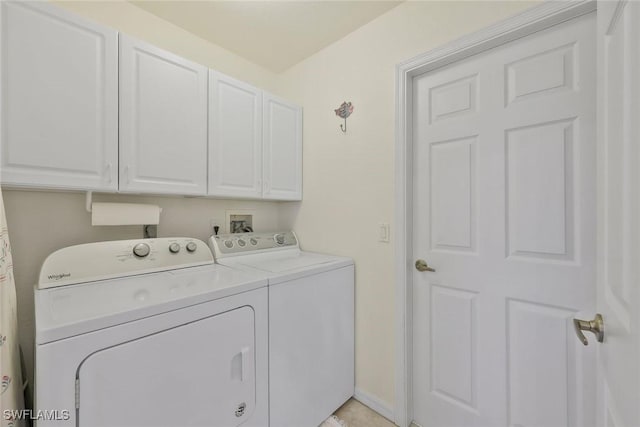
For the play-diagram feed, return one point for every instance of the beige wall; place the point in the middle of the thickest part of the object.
(349, 178)
(136, 22)
(41, 222)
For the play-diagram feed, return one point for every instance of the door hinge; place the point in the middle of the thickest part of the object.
(77, 393)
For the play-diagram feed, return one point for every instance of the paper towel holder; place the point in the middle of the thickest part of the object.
(149, 231)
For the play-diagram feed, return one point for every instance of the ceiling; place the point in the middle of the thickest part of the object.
(273, 34)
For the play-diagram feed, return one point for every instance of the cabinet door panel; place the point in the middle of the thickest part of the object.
(59, 99)
(163, 121)
(282, 157)
(235, 138)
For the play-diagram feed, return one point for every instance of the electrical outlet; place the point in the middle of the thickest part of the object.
(383, 232)
(213, 222)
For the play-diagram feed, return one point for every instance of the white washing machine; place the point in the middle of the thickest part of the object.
(149, 333)
(311, 323)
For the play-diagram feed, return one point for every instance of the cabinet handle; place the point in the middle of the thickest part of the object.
(109, 174)
(126, 174)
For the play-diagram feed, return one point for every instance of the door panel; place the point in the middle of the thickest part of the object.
(453, 178)
(454, 371)
(541, 74)
(504, 196)
(540, 346)
(538, 173)
(618, 219)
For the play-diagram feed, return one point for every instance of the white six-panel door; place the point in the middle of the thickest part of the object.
(235, 137)
(619, 212)
(504, 196)
(59, 99)
(163, 121)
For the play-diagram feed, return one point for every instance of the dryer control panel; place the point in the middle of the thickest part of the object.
(248, 243)
(120, 258)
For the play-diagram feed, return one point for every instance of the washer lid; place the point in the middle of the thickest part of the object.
(66, 311)
(288, 261)
(287, 265)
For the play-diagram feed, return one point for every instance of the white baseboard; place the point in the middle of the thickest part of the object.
(374, 403)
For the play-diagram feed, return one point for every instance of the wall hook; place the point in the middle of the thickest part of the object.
(343, 111)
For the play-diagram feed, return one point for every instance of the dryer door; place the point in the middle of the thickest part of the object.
(198, 374)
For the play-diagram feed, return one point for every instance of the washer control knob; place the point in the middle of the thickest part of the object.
(279, 238)
(174, 248)
(242, 243)
(191, 247)
(141, 250)
(253, 241)
(228, 243)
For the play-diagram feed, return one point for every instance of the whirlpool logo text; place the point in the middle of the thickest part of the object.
(58, 276)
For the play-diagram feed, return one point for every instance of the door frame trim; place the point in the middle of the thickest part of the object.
(532, 20)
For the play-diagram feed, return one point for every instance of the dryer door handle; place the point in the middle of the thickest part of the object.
(240, 365)
(244, 355)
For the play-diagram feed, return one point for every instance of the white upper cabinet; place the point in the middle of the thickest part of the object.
(282, 149)
(58, 99)
(255, 142)
(84, 108)
(163, 121)
(235, 138)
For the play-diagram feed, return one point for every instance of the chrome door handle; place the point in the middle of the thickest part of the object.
(596, 326)
(421, 265)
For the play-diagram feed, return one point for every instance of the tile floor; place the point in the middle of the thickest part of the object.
(355, 414)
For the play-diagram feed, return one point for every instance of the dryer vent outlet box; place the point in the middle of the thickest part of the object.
(240, 223)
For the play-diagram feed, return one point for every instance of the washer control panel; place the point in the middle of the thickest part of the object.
(244, 243)
(103, 260)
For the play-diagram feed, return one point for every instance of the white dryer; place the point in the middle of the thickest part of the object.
(149, 333)
(311, 323)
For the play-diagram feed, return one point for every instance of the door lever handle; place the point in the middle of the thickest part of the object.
(595, 326)
(421, 265)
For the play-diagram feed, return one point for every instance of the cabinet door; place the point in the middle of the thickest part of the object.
(163, 121)
(282, 149)
(59, 99)
(235, 138)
